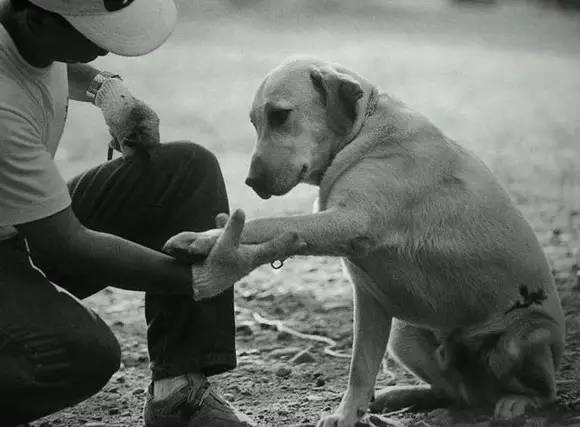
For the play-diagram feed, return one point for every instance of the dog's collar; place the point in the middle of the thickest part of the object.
(370, 106)
(340, 162)
(373, 102)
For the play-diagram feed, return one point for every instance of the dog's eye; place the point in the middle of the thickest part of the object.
(278, 117)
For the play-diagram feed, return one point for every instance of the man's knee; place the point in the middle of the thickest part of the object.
(107, 351)
(191, 157)
(42, 373)
(192, 169)
(196, 184)
(96, 356)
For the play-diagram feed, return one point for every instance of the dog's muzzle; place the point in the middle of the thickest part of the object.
(258, 178)
(256, 185)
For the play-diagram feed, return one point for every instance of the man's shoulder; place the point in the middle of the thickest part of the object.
(20, 121)
(16, 103)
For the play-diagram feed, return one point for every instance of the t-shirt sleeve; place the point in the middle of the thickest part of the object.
(31, 188)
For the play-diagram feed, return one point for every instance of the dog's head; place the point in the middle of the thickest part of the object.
(302, 112)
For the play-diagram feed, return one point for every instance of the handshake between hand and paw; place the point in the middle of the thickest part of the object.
(227, 260)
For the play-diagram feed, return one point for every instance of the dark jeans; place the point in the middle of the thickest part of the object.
(55, 352)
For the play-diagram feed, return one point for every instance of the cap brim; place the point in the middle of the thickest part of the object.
(133, 31)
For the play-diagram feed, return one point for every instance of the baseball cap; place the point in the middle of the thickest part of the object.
(124, 27)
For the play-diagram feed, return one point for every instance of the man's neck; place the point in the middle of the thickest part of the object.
(27, 45)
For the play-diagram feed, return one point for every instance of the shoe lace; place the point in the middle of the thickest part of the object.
(195, 399)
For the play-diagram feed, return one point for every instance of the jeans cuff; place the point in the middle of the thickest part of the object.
(209, 364)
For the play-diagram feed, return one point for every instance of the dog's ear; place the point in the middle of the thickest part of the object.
(340, 94)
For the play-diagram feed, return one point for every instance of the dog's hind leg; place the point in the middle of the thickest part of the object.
(526, 359)
(415, 349)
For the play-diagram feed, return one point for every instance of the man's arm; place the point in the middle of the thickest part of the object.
(80, 77)
(132, 123)
(61, 243)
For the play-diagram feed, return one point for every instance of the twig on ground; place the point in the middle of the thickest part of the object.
(376, 420)
(398, 412)
(281, 327)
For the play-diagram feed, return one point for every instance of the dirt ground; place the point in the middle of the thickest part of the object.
(309, 295)
(504, 86)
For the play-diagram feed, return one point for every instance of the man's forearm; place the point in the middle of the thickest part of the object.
(111, 260)
(79, 78)
(128, 265)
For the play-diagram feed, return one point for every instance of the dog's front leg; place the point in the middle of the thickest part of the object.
(371, 332)
(337, 232)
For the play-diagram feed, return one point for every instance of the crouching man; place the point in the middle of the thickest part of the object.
(108, 225)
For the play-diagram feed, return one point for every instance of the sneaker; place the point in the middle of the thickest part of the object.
(192, 406)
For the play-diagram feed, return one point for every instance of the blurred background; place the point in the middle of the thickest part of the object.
(500, 77)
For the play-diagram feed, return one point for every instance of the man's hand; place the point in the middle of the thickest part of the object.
(189, 245)
(229, 261)
(132, 123)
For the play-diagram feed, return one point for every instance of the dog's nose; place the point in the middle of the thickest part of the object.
(257, 173)
(252, 181)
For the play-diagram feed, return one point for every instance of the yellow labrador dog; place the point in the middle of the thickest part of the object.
(446, 271)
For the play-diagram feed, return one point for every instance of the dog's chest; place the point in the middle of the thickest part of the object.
(388, 282)
(405, 291)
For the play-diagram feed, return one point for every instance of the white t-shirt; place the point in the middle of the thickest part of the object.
(33, 108)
